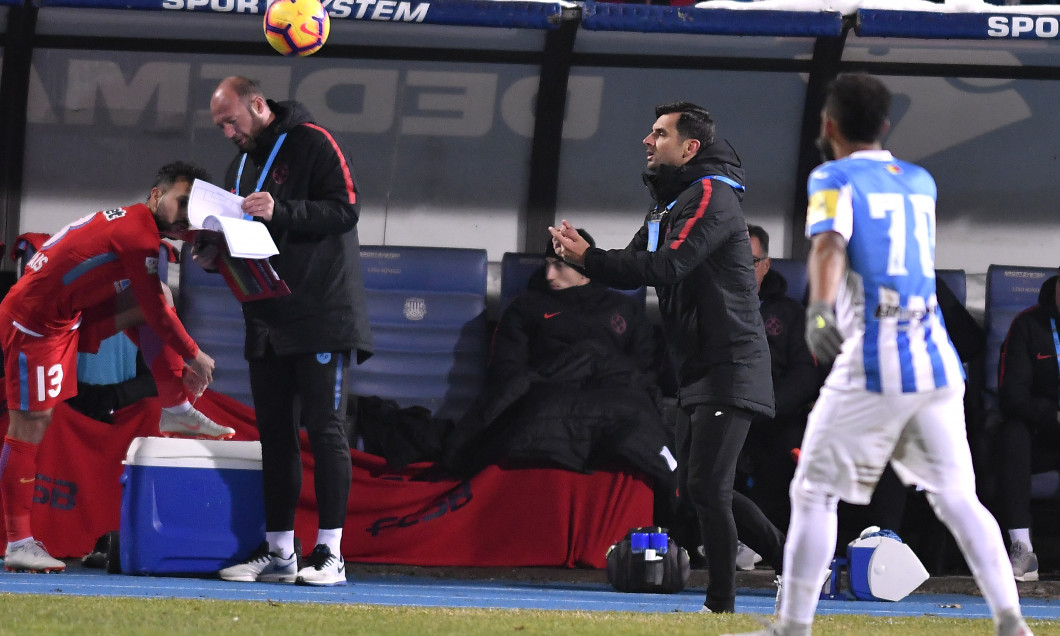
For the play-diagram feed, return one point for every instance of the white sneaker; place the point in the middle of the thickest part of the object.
(1024, 562)
(192, 424)
(746, 558)
(31, 557)
(322, 568)
(826, 588)
(264, 566)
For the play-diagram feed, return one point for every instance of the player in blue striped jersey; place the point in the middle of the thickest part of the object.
(894, 340)
(895, 392)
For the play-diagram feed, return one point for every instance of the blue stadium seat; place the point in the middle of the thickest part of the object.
(517, 267)
(427, 307)
(214, 319)
(516, 270)
(956, 281)
(794, 271)
(1009, 290)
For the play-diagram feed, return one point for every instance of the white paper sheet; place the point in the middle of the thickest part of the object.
(216, 209)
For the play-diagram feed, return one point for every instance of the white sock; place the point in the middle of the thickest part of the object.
(979, 539)
(1023, 535)
(282, 543)
(332, 538)
(20, 543)
(183, 407)
(807, 553)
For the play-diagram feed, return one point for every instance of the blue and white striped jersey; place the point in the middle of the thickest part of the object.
(894, 337)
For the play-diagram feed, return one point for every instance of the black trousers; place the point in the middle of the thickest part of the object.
(309, 391)
(709, 439)
(767, 464)
(1020, 452)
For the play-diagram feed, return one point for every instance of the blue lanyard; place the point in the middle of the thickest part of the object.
(1056, 341)
(653, 223)
(261, 179)
(717, 177)
(735, 184)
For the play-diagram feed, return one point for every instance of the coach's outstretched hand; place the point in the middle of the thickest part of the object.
(822, 334)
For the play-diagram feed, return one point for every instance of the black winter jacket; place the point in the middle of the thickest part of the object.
(704, 277)
(1028, 388)
(571, 382)
(544, 330)
(314, 224)
(796, 378)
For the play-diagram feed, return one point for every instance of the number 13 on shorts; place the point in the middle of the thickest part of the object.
(49, 382)
(39, 370)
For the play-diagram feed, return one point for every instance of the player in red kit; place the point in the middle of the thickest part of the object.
(93, 278)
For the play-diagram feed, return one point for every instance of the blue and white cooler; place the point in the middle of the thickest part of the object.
(190, 506)
(882, 568)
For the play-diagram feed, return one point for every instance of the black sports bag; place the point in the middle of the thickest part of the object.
(630, 571)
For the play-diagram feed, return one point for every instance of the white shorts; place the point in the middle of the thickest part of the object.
(852, 434)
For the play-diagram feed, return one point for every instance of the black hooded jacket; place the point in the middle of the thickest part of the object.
(796, 378)
(1027, 383)
(704, 277)
(570, 381)
(314, 224)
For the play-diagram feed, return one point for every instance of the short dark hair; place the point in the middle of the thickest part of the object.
(178, 170)
(860, 104)
(760, 233)
(694, 122)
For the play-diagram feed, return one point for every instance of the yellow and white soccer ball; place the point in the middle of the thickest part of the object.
(296, 27)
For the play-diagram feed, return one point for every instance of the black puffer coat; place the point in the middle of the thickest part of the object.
(1027, 383)
(314, 224)
(704, 277)
(796, 378)
(571, 382)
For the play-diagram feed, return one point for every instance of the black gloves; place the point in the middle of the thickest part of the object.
(822, 335)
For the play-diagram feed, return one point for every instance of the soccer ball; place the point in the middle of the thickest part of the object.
(297, 27)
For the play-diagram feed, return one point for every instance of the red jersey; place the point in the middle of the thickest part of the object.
(88, 263)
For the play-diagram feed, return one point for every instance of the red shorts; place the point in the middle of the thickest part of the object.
(40, 369)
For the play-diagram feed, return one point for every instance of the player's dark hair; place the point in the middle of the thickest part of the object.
(176, 171)
(860, 104)
(694, 122)
(759, 233)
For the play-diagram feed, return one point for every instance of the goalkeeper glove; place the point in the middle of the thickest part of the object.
(822, 334)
